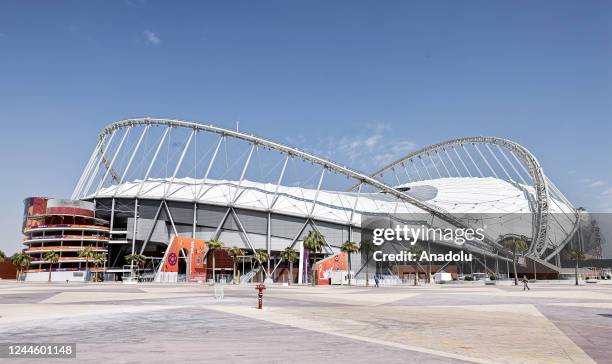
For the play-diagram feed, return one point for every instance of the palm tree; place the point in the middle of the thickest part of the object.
(15, 260)
(51, 257)
(515, 245)
(235, 252)
(366, 247)
(213, 245)
(88, 253)
(135, 258)
(577, 255)
(314, 243)
(290, 255)
(349, 247)
(99, 258)
(22, 262)
(261, 256)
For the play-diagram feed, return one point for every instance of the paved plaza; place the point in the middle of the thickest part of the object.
(149, 323)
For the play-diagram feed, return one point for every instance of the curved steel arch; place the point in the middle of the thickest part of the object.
(536, 173)
(295, 152)
(537, 248)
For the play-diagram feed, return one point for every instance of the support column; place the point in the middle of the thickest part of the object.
(508, 269)
(134, 236)
(301, 265)
(268, 241)
(496, 264)
(110, 235)
(484, 257)
(195, 220)
(429, 263)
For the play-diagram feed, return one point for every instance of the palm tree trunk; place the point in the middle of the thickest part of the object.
(290, 273)
(576, 271)
(315, 276)
(514, 267)
(349, 267)
(416, 274)
(234, 271)
(367, 271)
(50, 267)
(214, 277)
(263, 272)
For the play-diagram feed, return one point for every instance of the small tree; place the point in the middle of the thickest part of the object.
(214, 245)
(290, 255)
(262, 256)
(349, 247)
(135, 259)
(577, 255)
(51, 257)
(366, 248)
(235, 252)
(2, 256)
(88, 253)
(314, 243)
(99, 259)
(22, 262)
(515, 245)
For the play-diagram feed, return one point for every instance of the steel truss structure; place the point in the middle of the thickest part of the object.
(516, 157)
(169, 164)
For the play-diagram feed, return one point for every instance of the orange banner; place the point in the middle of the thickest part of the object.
(195, 253)
(330, 264)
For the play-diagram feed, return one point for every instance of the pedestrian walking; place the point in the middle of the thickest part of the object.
(525, 283)
(376, 281)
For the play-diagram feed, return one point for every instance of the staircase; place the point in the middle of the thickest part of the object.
(545, 263)
(246, 278)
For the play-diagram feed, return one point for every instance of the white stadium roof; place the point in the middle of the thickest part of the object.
(503, 202)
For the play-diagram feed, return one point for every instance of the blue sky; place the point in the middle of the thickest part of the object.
(379, 78)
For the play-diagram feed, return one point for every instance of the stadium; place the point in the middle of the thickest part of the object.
(164, 188)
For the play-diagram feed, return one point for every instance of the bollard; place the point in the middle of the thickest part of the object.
(260, 288)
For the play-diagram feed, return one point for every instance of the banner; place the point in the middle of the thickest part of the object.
(328, 265)
(195, 254)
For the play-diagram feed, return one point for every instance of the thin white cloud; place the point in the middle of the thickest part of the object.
(151, 38)
(372, 141)
(598, 183)
(374, 147)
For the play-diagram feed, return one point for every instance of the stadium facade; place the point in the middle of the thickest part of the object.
(163, 188)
